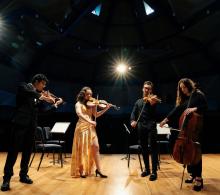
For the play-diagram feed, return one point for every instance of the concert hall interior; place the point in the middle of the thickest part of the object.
(112, 46)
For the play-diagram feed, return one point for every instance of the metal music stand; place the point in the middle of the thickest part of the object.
(60, 128)
(128, 132)
(162, 131)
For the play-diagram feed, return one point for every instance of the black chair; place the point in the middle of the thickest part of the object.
(132, 148)
(138, 149)
(165, 141)
(50, 140)
(42, 146)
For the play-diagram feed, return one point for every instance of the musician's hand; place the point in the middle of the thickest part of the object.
(152, 101)
(58, 102)
(190, 110)
(163, 122)
(108, 106)
(93, 123)
(134, 124)
(47, 99)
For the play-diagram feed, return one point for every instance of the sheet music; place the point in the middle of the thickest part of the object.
(163, 130)
(60, 127)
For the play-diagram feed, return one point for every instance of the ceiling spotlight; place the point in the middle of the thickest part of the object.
(121, 68)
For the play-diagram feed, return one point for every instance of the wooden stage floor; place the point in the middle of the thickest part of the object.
(54, 180)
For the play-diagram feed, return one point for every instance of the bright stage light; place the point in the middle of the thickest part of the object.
(121, 68)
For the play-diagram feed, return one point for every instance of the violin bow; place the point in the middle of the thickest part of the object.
(96, 107)
(141, 112)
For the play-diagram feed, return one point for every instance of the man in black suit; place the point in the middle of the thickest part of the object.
(143, 117)
(24, 123)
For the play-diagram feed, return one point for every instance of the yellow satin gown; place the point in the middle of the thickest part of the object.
(85, 133)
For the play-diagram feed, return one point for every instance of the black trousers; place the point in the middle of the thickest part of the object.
(148, 142)
(22, 139)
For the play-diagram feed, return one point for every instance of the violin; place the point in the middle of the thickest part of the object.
(56, 100)
(151, 98)
(100, 103)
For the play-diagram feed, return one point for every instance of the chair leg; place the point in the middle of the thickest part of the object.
(169, 150)
(61, 159)
(32, 160)
(158, 151)
(158, 164)
(41, 158)
(64, 149)
(53, 158)
(129, 156)
(140, 162)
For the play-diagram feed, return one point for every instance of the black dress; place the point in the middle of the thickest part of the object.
(197, 100)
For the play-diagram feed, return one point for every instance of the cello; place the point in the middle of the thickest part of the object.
(186, 151)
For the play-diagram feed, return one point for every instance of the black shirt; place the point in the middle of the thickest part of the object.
(148, 113)
(197, 100)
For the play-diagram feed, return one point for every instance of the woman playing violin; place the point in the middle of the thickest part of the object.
(85, 143)
(198, 104)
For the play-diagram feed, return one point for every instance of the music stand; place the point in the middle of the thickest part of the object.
(162, 131)
(127, 140)
(60, 128)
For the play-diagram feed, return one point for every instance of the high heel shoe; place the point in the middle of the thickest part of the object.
(190, 179)
(82, 176)
(97, 172)
(198, 185)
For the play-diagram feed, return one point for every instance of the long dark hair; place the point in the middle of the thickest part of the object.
(189, 84)
(81, 95)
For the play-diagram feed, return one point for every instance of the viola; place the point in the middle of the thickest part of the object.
(152, 97)
(100, 103)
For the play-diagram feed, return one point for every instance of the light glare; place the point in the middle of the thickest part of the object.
(121, 68)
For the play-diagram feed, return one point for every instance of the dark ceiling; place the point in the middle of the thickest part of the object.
(64, 40)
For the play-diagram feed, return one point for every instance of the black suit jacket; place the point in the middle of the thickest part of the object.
(27, 103)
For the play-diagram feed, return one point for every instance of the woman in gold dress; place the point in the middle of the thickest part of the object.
(85, 149)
